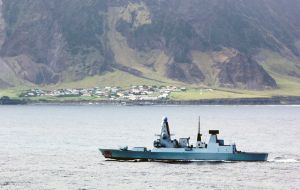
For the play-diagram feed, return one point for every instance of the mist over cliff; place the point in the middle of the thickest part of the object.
(201, 42)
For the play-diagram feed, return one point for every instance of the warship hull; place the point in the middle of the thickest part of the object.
(181, 156)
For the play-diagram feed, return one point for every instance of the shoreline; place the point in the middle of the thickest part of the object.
(276, 100)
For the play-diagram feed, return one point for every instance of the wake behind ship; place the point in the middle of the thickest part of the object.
(169, 149)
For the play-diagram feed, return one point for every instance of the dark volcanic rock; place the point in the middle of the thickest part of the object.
(242, 72)
(4, 84)
(5, 100)
(129, 70)
(57, 36)
(45, 76)
(71, 39)
(187, 72)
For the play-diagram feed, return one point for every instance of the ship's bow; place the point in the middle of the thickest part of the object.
(250, 156)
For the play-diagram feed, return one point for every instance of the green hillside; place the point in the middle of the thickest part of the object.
(237, 48)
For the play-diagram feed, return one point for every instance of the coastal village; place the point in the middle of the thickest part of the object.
(142, 92)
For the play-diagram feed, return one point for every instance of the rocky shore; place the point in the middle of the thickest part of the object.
(5, 100)
(277, 100)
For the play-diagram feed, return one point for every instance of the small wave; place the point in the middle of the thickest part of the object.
(284, 160)
(7, 183)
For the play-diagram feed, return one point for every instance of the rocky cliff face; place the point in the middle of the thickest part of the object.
(206, 42)
(52, 41)
(238, 70)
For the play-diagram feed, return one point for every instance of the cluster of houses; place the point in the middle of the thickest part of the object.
(142, 92)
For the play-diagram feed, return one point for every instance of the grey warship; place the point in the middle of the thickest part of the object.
(168, 149)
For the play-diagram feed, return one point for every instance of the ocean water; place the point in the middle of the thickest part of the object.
(56, 147)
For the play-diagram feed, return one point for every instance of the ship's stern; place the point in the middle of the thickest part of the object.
(107, 153)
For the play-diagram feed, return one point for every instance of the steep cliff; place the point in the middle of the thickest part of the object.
(206, 42)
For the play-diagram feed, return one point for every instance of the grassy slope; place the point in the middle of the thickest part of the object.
(195, 94)
(287, 87)
(65, 99)
(116, 78)
(286, 73)
(278, 67)
(13, 92)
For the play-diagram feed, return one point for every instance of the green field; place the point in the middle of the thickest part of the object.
(13, 92)
(287, 87)
(279, 68)
(65, 99)
(197, 94)
(116, 78)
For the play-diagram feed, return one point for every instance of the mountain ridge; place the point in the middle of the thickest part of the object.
(209, 43)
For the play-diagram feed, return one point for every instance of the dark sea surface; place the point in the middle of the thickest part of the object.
(56, 147)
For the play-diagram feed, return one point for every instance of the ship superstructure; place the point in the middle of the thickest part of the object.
(166, 148)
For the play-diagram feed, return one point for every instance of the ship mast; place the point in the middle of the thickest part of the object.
(199, 134)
